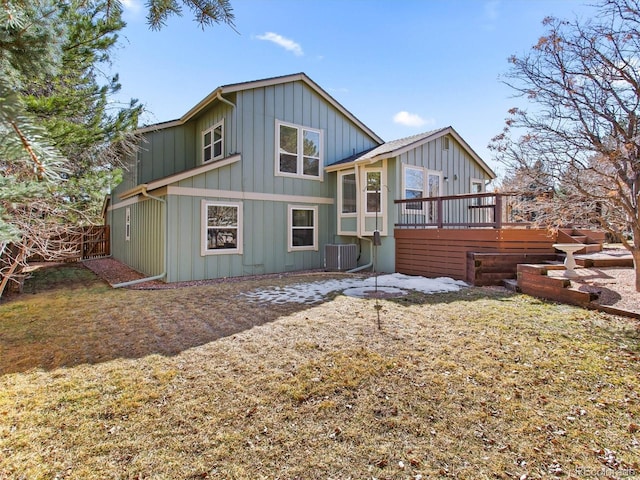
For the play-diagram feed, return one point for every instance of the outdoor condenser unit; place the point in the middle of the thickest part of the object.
(340, 256)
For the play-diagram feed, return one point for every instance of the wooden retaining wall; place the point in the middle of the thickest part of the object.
(492, 268)
(443, 252)
(535, 280)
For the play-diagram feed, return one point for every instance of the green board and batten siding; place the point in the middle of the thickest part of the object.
(166, 152)
(250, 131)
(456, 166)
(454, 162)
(144, 250)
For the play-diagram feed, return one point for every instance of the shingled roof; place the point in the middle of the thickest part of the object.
(395, 148)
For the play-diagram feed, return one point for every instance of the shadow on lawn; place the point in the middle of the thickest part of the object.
(67, 316)
(470, 294)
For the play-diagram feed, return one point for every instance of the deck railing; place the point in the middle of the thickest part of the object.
(471, 210)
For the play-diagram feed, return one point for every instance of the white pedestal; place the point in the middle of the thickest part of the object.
(569, 261)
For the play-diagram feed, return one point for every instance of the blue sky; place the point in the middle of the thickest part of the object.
(402, 67)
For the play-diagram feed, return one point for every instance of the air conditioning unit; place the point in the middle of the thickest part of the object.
(340, 256)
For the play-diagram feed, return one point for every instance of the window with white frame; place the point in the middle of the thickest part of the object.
(221, 228)
(127, 224)
(414, 187)
(373, 186)
(299, 151)
(477, 186)
(213, 143)
(348, 192)
(303, 228)
(418, 182)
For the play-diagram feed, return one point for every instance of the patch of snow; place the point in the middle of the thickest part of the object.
(313, 292)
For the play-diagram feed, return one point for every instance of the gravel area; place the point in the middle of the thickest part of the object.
(615, 286)
(114, 272)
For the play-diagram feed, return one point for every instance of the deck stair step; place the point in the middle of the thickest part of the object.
(606, 258)
(580, 238)
(554, 262)
(534, 279)
(592, 239)
(510, 284)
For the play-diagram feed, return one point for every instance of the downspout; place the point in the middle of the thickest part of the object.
(166, 247)
(368, 265)
(166, 220)
(222, 99)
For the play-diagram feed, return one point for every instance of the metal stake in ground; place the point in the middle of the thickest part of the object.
(376, 242)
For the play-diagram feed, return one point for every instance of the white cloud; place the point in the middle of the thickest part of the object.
(491, 14)
(283, 42)
(491, 10)
(410, 119)
(133, 6)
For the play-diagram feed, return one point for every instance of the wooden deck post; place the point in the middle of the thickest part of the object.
(497, 211)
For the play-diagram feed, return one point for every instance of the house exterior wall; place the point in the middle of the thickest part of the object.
(457, 169)
(265, 196)
(143, 248)
(443, 157)
(166, 152)
(264, 229)
(453, 162)
(364, 223)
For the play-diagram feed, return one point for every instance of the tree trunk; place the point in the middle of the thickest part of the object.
(636, 265)
(15, 262)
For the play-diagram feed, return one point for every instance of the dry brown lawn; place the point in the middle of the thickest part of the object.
(197, 383)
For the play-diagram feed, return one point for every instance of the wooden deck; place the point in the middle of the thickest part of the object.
(442, 252)
(479, 238)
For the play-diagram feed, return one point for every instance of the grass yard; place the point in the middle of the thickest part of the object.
(198, 382)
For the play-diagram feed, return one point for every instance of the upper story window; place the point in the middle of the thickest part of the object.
(213, 143)
(299, 151)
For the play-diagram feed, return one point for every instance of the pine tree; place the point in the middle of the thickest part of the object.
(60, 138)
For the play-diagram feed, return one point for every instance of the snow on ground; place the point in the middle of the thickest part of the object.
(312, 292)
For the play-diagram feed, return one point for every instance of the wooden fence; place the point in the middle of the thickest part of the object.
(95, 242)
(71, 245)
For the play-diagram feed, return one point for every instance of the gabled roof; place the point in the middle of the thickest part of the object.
(395, 148)
(238, 87)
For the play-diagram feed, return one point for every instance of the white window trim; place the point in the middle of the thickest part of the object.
(406, 167)
(475, 181)
(440, 175)
(204, 251)
(340, 191)
(290, 246)
(127, 224)
(211, 130)
(300, 162)
(383, 191)
(472, 181)
(425, 187)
